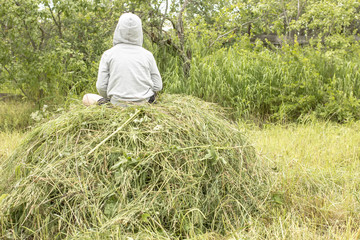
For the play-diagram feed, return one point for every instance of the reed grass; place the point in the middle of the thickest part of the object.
(281, 85)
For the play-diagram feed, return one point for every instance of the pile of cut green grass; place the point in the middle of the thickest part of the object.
(175, 169)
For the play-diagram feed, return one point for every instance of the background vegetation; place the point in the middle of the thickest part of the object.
(277, 60)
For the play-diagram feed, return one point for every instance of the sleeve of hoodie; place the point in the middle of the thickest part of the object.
(103, 76)
(155, 75)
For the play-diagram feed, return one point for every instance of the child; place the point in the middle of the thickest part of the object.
(127, 73)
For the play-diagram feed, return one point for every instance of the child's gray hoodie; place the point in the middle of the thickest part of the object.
(127, 71)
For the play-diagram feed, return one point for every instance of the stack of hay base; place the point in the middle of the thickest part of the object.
(174, 169)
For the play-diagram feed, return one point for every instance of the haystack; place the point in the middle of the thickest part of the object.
(178, 168)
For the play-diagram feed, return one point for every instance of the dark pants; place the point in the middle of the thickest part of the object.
(102, 101)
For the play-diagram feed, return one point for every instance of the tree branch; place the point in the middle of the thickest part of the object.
(228, 32)
(29, 35)
(10, 74)
(42, 38)
(179, 25)
(286, 19)
(164, 15)
(58, 24)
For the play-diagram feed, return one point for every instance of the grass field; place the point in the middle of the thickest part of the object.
(8, 142)
(15, 115)
(315, 180)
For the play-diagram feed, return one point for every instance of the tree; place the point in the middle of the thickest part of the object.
(52, 48)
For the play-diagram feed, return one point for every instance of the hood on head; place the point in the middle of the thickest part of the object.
(128, 30)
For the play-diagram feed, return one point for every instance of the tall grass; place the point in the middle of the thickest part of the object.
(14, 119)
(9, 140)
(15, 115)
(275, 84)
